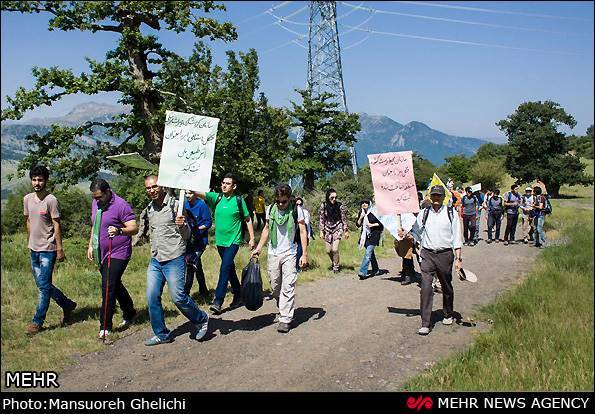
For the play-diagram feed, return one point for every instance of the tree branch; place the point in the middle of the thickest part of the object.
(172, 94)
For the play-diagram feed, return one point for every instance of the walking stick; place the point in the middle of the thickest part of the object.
(109, 262)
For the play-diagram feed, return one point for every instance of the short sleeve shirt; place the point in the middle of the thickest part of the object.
(117, 212)
(41, 213)
(285, 242)
(228, 225)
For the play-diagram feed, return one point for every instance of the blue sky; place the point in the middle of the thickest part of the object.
(545, 51)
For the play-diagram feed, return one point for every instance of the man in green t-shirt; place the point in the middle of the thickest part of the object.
(228, 236)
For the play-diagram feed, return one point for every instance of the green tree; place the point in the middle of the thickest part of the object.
(134, 68)
(583, 145)
(327, 135)
(489, 172)
(424, 171)
(457, 167)
(538, 150)
(491, 150)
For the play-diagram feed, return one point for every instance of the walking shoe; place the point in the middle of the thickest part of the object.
(447, 321)
(506, 242)
(215, 308)
(489, 241)
(424, 330)
(525, 241)
(497, 240)
(125, 324)
(283, 327)
(335, 271)
(202, 329)
(362, 277)
(157, 341)
(236, 302)
(277, 316)
(104, 334)
(32, 328)
(67, 318)
(406, 280)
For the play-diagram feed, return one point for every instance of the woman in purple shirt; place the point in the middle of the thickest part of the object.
(110, 245)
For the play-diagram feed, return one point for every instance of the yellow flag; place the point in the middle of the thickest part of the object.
(437, 181)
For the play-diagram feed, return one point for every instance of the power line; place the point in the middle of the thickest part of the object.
(285, 19)
(419, 16)
(462, 42)
(477, 9)
(283, 4)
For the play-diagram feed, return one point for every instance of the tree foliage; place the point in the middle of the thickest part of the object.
(538, 150)
(582, 146)
(137, 68)
(327, 135)
(457, 167)
(424, 171)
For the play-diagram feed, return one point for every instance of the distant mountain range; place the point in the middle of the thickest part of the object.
(378, 134)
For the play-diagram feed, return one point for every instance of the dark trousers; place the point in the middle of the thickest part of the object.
(469, 227)
(407, 268)
(194, 267)
(261, 217)
(511, 222)
(439, 264)
(494, 218)
(115, 291)
(227, 273)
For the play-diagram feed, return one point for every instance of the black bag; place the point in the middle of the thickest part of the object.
(252, 285)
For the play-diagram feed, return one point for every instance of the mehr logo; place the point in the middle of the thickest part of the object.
(419, 403)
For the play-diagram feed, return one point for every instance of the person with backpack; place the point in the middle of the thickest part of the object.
(285, 224)
(495, 206)
(480, 206)
(370, 238)
(200, 222)
(168, 234)
(299, 201)
(542, 206)
(512, 201)
(231, 216)
(110, 245)
(438, 229)
(333, 226)
(470, 205)
(527, 201)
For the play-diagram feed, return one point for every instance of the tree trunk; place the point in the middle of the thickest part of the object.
(309, 181)
(553, 189)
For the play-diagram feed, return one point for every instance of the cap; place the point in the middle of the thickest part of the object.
(437, 189)
(528, 189)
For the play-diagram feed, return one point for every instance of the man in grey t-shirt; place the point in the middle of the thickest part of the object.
(45, 243)
(470, 205)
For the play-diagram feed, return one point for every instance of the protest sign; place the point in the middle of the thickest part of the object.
(133, 160)
(187, 152)
(476, 187)
(394, 183)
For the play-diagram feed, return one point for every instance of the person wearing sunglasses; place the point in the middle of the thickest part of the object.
(286, 226)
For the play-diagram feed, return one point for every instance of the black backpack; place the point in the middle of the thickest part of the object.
(241, 211)
(297, 237)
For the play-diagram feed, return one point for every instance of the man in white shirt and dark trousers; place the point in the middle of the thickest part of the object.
(438, 228)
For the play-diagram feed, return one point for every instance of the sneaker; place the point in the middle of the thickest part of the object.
(525, 241)
(32, 328)
(215, 308)
(157, 341)
(283, 327)
(125, 324)
(506, 243)
(406, 280)
(104, 334)
(447, 321)
(424, 330)
(489, 241)
(202, 329)
(67, 318)
(277, 316)
(335, 271)
(362, 277)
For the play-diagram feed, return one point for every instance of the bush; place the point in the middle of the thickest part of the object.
(488, 172)
(131, 189)
(13, 220)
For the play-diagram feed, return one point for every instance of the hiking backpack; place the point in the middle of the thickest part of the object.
(547, 206)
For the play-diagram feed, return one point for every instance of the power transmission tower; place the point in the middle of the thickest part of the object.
(324, 57)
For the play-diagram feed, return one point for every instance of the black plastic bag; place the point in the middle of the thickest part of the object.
(252, 285)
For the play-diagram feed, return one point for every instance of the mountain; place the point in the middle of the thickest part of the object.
(378, 134)
(382, 134)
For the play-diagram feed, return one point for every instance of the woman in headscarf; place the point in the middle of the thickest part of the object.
(333, 226)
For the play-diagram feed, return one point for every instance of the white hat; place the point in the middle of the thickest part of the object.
(467, 275)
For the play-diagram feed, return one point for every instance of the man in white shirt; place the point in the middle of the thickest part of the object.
(438, 229)
(286, 226)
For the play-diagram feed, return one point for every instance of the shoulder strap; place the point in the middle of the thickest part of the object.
(270, 209)
(425, 216)
(449, 211)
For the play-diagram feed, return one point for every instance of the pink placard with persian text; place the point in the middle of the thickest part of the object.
(394, 182)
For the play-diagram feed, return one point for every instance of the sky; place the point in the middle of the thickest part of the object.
(458, 67)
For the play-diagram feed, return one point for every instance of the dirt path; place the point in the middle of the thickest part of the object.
(350, 335)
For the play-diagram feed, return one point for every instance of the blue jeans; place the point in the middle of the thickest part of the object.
(172, 272)
(42, 266)
(227, 273)
(539, 232)
(477, 222)
(369, 257)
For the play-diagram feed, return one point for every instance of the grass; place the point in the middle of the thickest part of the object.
(55, 346)
(542, 337)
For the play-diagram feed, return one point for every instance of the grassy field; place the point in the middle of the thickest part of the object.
(542, 337)
(54, 347)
